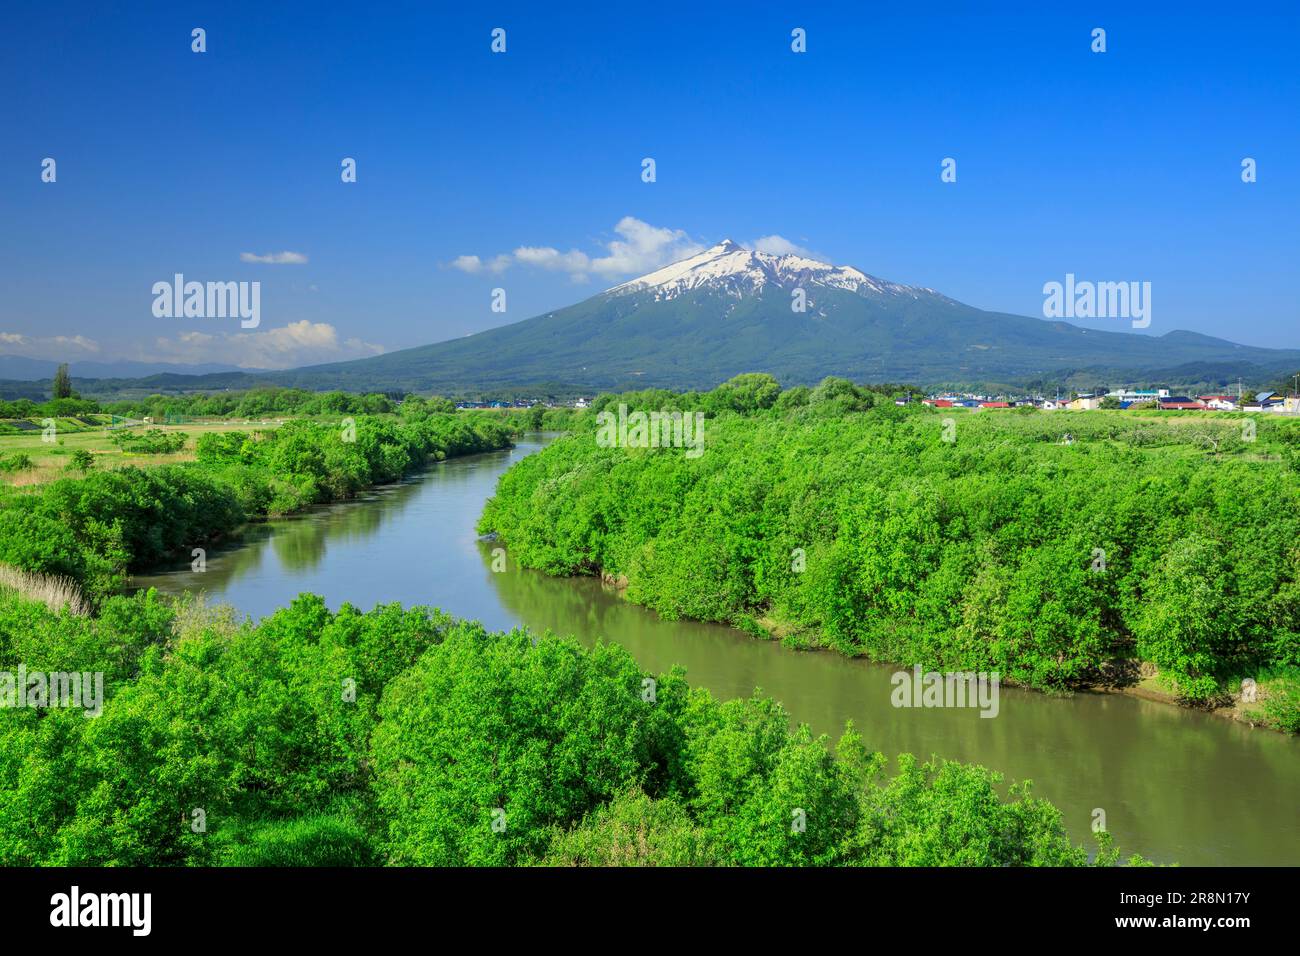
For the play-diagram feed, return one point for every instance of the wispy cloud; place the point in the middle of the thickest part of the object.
(275, 258)
(298, 343)
(473, 264)
(640, 247)
(48, 346)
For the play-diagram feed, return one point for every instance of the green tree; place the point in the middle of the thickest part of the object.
(490, 741)
(62, 382)
(1188, 618)
(748, 392)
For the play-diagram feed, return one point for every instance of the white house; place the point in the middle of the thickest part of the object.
(1220, 403)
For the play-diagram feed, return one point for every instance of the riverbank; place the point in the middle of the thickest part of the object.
(1252, 714)
(1136, 679)
(97, 527)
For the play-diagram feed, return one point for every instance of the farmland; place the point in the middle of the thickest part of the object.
(51, 453)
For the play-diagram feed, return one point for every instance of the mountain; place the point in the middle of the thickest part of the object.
(728, 310)
(20, 368)
(739, 272)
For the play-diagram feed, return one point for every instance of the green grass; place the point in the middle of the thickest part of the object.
(51, 458)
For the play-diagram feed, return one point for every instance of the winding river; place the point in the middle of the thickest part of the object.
(1175, 785)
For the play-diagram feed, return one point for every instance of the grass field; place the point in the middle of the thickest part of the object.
(51, 458)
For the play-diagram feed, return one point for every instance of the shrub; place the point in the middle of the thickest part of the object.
(20, 461)
(81, 460)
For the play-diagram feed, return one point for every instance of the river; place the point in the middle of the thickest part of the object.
(1175, 785)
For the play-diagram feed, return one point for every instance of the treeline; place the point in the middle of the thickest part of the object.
(755, 391)
(405, 737)
(98, 527)
(1050, 548)
(262, 403)
(269, 402)
(253, 403)
(54, 408)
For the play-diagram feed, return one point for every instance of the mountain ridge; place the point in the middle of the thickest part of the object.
(725, 310)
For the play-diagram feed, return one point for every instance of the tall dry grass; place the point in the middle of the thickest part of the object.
(53, 591)
(194, 616)
(40, 475)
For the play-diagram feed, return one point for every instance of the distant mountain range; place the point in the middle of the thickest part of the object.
(729, 310)
(20, 368)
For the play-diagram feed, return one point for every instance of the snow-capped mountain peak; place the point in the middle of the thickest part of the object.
(736, 270)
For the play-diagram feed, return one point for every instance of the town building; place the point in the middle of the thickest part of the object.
(1220, 403)
(1139, 394)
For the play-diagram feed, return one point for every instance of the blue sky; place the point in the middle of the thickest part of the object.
(1116, 166)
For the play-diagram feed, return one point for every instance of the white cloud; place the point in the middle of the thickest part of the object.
(275, 258)
(548, 258)
(47, 346)
(780, 246)
(473, 264)
(643, 248)
(298, 343)
(640, 248)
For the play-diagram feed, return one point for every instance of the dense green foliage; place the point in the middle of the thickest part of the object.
(97, 527)
(248, 744)
(55, 408)
(151, 441)
(254, 403)
(1042, 546)
(19, 461)
(249, 403)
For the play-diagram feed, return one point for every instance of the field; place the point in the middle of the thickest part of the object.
(51, 458)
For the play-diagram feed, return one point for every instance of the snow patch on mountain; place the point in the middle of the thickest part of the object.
(739, 271)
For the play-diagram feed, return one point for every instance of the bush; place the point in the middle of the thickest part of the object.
(153, 441)
(81, 460)
(20, 461)
(315, 840)
(1282, 703)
